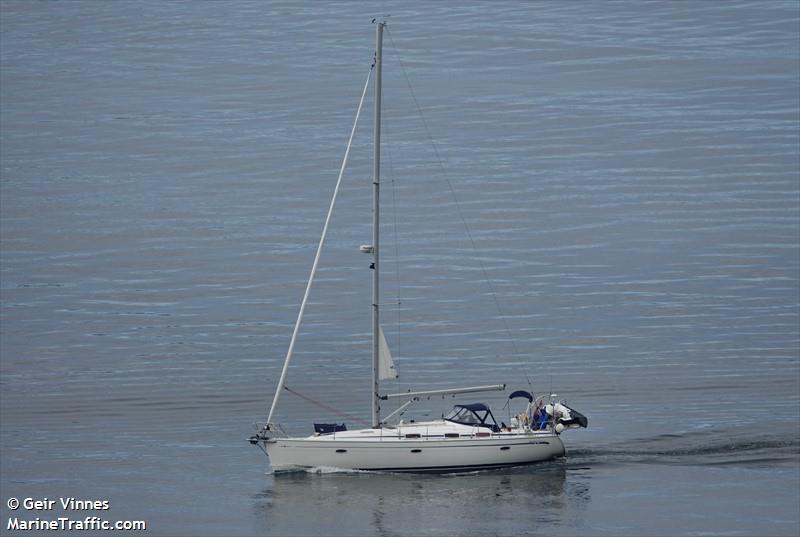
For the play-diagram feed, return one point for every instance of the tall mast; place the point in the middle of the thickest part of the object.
(376, 208)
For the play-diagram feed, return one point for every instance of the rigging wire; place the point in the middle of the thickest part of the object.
(329, 408)
(455, 198)
(391, 174)
(296, 330)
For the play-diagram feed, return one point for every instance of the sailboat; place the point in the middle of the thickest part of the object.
(468, 438)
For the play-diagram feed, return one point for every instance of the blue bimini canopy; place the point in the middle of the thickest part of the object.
(521, 393)
(476, 414)
(475, 407)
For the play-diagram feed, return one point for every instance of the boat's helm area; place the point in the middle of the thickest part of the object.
(539, 416)
(536, 416)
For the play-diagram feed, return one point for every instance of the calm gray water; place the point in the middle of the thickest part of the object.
(628, 173)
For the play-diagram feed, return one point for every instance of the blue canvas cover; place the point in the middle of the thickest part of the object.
(327, 428)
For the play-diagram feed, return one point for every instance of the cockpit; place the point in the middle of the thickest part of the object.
(475, 414)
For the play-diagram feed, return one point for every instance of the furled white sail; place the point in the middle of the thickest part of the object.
(386, 368)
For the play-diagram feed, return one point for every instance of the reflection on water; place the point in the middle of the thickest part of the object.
(390, 504)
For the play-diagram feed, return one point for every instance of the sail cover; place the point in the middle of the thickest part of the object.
(386, 368)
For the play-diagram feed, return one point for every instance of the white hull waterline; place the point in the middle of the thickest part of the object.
(390, 450)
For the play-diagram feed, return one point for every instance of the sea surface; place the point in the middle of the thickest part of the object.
(594, 199)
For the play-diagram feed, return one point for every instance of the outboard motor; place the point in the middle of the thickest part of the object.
(566, 417)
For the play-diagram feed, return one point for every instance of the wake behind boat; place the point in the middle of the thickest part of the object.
(468, 438)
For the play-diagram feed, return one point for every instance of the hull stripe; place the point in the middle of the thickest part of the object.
(441, 469)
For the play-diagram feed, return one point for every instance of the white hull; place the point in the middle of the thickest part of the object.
(396, 453)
